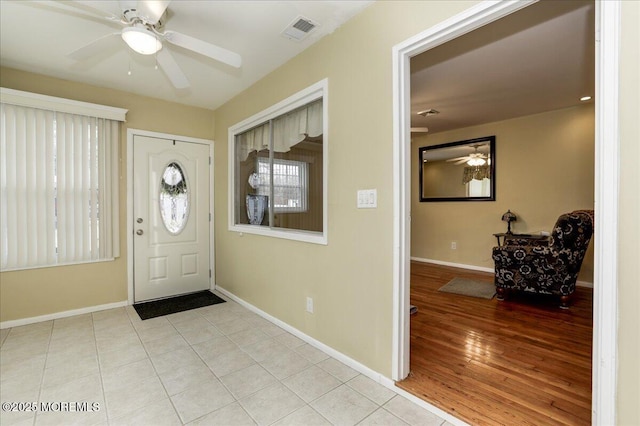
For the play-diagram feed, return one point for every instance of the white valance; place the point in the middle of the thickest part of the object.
(288, 130)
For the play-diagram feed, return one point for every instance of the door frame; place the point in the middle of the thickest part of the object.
(605, 310)
(129, 211)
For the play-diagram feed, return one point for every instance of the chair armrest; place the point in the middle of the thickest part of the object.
(515, 255)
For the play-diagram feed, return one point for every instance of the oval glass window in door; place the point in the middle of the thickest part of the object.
(174, 198)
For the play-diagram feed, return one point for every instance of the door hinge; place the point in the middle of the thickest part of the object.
(209, 273)
(209, 217)
(209, 160)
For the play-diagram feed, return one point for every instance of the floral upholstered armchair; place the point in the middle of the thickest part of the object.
(545, 266)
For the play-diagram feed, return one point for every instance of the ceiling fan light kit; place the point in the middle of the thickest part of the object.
(141, 40)
(475, 159)
(475, 162)
(144, 33)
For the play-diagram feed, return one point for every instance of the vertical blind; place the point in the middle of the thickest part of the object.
(59, 188)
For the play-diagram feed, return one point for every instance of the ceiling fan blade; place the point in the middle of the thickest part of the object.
(93, 48)
(462, 161)
(126, 5)
(465, 158)
(172, 70)
(151, 10)
(202, 47)
(98, 8)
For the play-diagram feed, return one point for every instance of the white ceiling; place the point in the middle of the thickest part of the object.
(38, 36)
(538, 59)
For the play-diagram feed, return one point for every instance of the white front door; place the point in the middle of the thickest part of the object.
(170, 217)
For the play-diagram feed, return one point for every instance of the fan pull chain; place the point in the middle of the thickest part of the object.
(129, 72)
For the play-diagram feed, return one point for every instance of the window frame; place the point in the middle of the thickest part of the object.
(312, 93)
(304, 186)
(110, 213)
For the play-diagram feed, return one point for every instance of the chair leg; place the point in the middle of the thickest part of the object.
(564, 301)
(500, 293)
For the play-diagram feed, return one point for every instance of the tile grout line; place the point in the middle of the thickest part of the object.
(291, 346)
(152, 364)
(44, 369)
(95, 342)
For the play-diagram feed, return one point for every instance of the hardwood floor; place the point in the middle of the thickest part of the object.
(523, 361)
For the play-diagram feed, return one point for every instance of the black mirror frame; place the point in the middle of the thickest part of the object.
(492, 150)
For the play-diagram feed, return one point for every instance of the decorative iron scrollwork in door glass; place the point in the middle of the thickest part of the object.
(174, 198)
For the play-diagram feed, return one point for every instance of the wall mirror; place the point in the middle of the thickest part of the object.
(458, 171)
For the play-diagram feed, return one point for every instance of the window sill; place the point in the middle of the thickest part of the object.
(25, 268)
(287, 234)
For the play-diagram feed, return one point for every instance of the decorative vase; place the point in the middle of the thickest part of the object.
(256, 206)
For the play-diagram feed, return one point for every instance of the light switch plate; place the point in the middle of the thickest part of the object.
(367, 198)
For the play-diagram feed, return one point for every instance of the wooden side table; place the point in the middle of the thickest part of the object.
(505, 236)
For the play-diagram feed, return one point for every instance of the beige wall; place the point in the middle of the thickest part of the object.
(544, 167)
(441, 179)
(350, 279)
(36, 292)
(629, 236)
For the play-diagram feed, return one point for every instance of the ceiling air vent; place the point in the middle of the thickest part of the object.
(299, 28)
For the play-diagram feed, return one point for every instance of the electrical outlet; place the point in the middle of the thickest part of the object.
(309, 305)
(454, 245)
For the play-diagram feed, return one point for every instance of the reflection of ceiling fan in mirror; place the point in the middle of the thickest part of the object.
(476, 158)
(143, 31)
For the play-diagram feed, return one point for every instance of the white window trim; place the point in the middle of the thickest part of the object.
(70, 106)
(303, 97)
(52, 103)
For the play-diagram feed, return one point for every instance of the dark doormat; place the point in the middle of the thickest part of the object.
(172, 305)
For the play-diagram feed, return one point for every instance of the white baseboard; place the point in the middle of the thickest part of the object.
(454, 265)
(479, 268)
(350, 362)
(584, 284)
(58, 315)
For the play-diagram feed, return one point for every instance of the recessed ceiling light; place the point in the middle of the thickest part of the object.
(585, 98)
(428, 112)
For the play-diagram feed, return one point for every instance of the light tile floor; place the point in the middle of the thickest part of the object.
(218, 365)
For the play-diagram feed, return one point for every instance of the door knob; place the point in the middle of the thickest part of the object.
(139, 232)
(139, 220)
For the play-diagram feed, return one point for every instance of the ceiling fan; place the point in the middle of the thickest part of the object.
(474, 159)
(143, 31)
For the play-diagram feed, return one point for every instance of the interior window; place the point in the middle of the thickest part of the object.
(279, 171)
